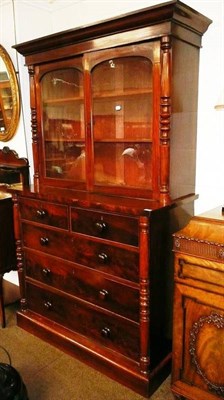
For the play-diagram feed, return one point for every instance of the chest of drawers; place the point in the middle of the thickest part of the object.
(198, 345)
(89, 285)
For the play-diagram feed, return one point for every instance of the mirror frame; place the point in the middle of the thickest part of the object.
(11, 130)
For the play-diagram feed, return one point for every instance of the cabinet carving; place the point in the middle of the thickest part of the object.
(111, 185)
(198, 350)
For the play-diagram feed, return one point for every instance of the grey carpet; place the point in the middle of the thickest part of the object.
(50, 374)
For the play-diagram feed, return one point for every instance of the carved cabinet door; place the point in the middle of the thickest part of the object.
(198, 348)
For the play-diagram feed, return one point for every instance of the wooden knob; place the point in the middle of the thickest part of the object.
(44, 241)
(41, 213)
(103, 294)
(103, 257)
(105, 332)
(46, 271)
(48, 305)
(100, 226)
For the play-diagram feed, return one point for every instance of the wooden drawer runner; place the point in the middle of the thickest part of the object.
(83, 282)
(107, 258)
(113, 332)
(108, 226)
(44, 213)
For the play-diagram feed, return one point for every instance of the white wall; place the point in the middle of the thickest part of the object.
(22, 20)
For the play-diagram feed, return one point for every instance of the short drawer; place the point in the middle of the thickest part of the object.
(202, 271)
(83, 282)
(43, 212)
(110, 259)
(111, 331)
(108, 226)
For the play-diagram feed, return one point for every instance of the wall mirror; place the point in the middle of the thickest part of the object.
(9, 97)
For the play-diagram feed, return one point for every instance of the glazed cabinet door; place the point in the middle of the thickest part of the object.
(62, 123)
(121, 86)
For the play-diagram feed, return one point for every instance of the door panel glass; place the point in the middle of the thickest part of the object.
(122, 121)
(123, 164)
(63, 124)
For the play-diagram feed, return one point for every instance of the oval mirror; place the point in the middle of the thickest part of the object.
(9, 97)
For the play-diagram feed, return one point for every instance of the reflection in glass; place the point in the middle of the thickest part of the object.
(122, 121)
(63, 124)
(5, 99)
(124, 164)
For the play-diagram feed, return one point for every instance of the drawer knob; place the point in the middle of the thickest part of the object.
(48, 305)
(44, 241)
(41, 214)
(105, 332)
(103, 294)
(46, 271)
(103, 257)
(100, 226)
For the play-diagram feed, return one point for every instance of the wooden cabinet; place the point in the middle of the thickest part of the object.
(198, 346)
(112, 182)
(13, 171)
(7, 245)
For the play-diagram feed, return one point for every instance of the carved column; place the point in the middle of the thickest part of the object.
(165, 114)
(34, 128)
(19, 253)
(144, 296)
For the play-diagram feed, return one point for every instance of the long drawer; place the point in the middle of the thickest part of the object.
(45, 213)
(83, 282)
(114, 260)
(111, 331)
(108, 226)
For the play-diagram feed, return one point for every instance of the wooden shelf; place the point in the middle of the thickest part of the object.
(123, 140)
(62, 100)
(126, 93)
(66, 140)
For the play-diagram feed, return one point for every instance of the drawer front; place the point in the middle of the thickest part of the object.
(113, 332)
(109, 259)
(203, 272)
(83, 282)
(44, 213)
(108, 226)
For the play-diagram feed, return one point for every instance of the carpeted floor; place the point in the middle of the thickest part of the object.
(50, 374)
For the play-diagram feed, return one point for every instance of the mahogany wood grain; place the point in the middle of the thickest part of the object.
(86, 319)
(83, 250)
(88, 284)
(108, 226)
(44, 213)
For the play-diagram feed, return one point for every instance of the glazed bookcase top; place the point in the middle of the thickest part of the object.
(105, 100)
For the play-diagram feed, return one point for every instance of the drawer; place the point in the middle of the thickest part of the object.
(201, 271)
(106, 328)
(93, 254)
(83, 282)
(108, 226)
(44, 213)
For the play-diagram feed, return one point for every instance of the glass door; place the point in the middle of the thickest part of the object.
(122, 122)
(63, 125)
